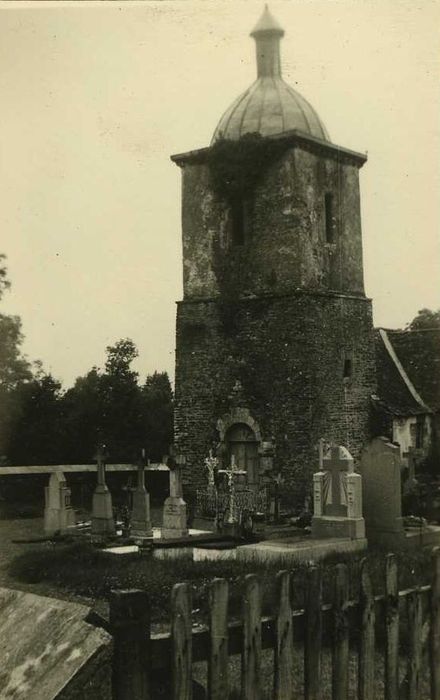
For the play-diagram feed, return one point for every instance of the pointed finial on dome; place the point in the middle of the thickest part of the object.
(267, 24)
(267, 34)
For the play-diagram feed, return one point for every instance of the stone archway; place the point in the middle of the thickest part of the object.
(240, 436)
(241, 444)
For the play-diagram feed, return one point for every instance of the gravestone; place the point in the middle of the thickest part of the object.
(232, 523)
(381, 473)
(58, 513)
(140, 512)
(337, 497)
(102, 508)
(174, 522)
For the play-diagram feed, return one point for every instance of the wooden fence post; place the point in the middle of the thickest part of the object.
(251, 652)
(130, 623)
(435, 625)
(366, 640)
(392, 630)
(340, 635)
(218, 628)
(283, 659)
(181, 638)
(415, 643)
(313, 636)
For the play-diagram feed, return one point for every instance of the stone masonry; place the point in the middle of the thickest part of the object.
(274, 323)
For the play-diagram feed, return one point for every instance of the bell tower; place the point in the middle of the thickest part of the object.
(274, 344)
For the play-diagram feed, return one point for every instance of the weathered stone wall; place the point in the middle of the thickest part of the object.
(287, 247)
(288, 353)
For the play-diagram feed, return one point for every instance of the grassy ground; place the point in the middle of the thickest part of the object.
(79, 572)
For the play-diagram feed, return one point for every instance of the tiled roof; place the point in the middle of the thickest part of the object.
(419, 353)
(392, 391)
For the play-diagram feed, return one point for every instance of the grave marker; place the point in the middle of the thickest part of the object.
(381, 472)
(140, 512)
(58, 513)
(233, 519)
(102, 509)
(337, 496)
(174, 522)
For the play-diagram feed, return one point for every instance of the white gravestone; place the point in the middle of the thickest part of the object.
(174, 511)
(102, 508)
(140, 512)
(58, 513)
(337, 497)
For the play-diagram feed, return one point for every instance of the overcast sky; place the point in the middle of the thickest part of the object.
(94, 99)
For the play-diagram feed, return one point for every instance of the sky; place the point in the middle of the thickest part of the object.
(96, 97)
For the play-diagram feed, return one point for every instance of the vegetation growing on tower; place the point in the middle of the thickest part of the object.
(237, 166)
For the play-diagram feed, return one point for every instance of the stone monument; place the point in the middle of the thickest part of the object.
(102, 509)
(174, 522)
(140, 511)
(337, 496)
(381, 473)
(58, 513)
(232, 523)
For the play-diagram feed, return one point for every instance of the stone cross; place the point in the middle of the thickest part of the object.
(337, 496)
(101, 458)
(337, 465)
(102, 508)
(211, 464)
(141, 471)
(231, 471)
(140, 513)
(321, 445)
(174, 512)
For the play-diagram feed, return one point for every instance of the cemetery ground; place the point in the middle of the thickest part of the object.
(78, 572)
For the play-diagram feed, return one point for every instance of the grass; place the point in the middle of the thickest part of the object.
(80, 569)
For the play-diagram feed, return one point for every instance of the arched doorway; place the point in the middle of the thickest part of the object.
(241, 443)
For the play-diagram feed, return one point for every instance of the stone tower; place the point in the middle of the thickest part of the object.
(274, 346)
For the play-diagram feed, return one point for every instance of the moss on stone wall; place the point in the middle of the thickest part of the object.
(237, 166)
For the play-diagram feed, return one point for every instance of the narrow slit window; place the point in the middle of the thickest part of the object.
(329, 218)
(348, 368)
(241, 215)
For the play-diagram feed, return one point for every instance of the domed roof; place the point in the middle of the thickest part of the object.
(270, 106)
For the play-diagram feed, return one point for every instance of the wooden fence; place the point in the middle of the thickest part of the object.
(138, 656)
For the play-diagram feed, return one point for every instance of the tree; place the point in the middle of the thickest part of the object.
(425, 319)
(119, 358)
(158, 415)
(37, 435)
(14, 367)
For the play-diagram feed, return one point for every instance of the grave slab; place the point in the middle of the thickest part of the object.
(46, 645)
(304, 550)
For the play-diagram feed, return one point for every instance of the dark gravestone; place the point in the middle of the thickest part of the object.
(381, 472)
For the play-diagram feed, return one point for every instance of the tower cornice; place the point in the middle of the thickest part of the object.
(293, 139)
